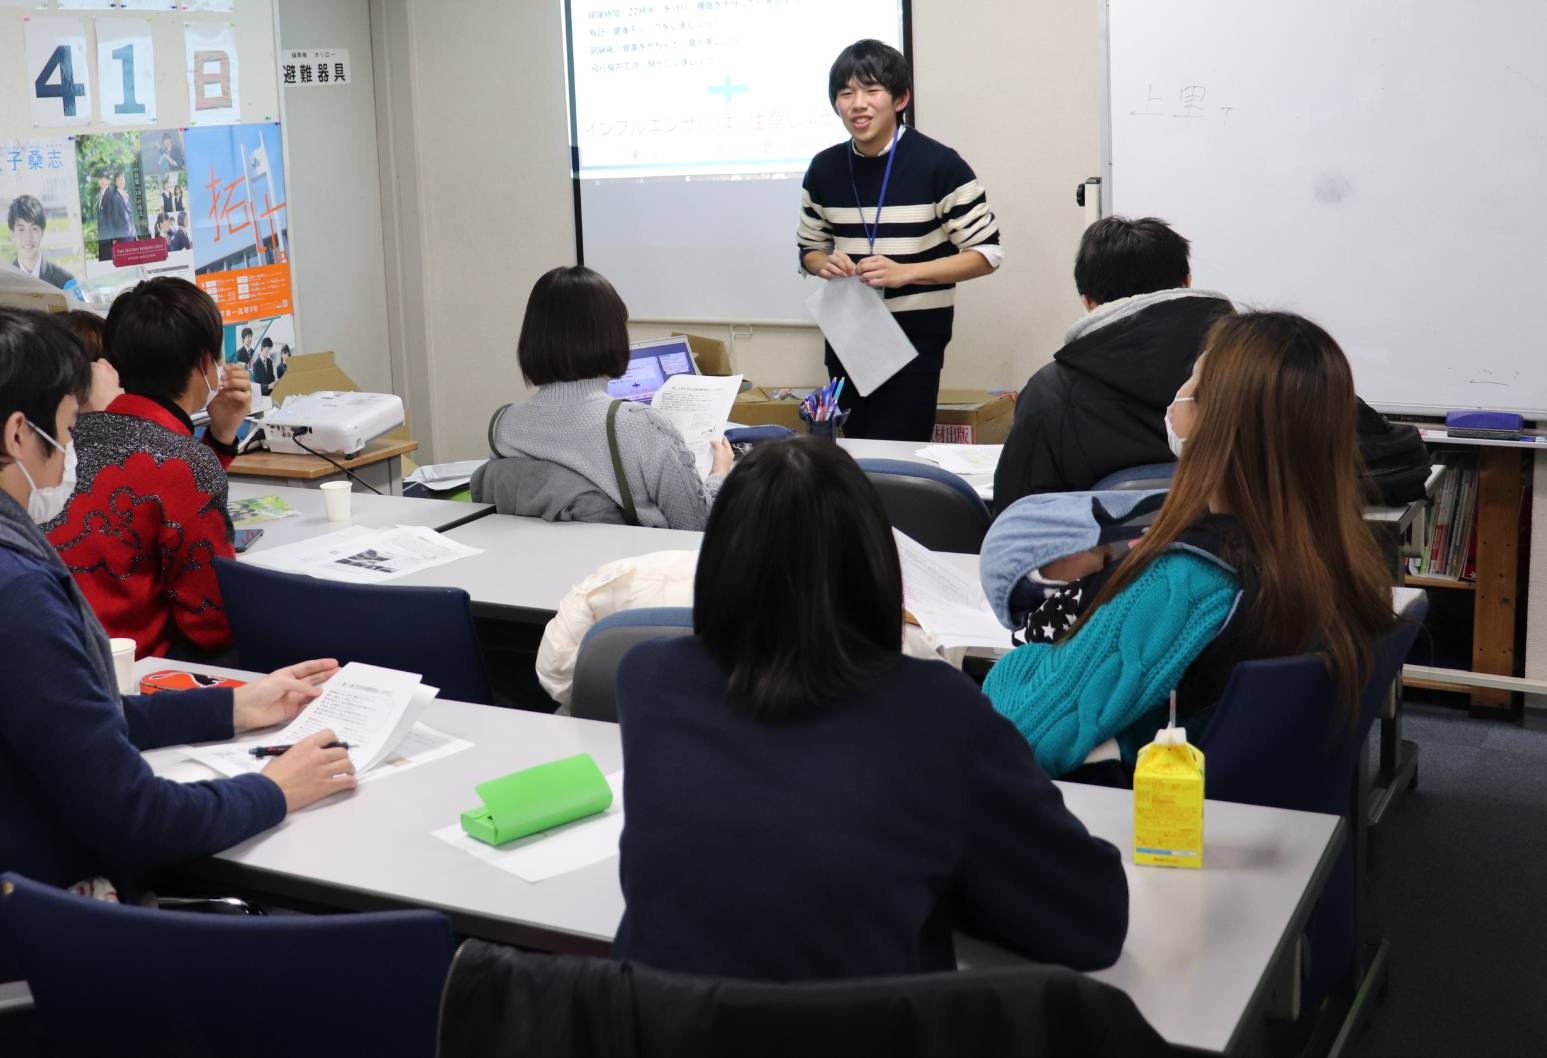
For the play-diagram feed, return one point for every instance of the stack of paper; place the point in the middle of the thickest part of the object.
(698, 405)
(367, 556)
(946, 604)
(373, 709)
(963, 459)
(446, 477)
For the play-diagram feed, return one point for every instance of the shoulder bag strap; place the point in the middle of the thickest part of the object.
(630, 512)
(494, 420)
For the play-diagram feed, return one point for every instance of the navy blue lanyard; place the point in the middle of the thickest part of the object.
(886, 178)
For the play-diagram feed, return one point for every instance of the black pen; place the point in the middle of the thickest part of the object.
(275, 751)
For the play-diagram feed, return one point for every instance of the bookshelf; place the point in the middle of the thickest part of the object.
(1499, 473)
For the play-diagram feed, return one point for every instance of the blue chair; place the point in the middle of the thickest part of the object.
(1148, 476)
(932, 505)
(109, 979)
(1279, 737)
(281, 618)
(594, 693)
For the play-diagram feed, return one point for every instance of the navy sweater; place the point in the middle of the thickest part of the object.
(76, 798)
(849, 843)
(934, 208)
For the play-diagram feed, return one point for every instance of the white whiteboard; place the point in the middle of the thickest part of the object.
(1378, 165)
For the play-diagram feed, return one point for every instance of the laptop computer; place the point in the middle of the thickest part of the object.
(650, 364)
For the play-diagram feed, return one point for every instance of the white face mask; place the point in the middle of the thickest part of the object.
(209, 398)
(1173, 441)
(44, 505)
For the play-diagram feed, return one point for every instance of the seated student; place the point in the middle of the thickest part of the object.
(806, 802)
(88, 327)
(1097, 407)
(77, 800)
(1260, 550)
(565, 454)
(148, 515)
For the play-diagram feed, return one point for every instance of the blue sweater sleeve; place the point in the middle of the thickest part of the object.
(61, 726)
(1069, 697)
(172, 718)
(1032, 878)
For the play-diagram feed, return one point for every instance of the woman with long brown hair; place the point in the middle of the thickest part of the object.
(1259, 550)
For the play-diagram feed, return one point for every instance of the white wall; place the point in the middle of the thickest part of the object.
(338, 274)
(479, 137)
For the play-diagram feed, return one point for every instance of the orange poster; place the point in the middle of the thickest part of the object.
(249, 293)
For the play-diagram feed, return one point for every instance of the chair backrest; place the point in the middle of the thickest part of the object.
(282, 618)
(1148, 476)
(110, 979)
(930, 504)
(594, 695)
(1279, 737)
(500, 1000)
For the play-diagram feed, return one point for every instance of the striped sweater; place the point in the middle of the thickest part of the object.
(934, 208)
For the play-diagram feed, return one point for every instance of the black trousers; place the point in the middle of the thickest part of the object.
(902, 409)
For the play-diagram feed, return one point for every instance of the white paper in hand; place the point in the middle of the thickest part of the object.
(865, 335)
(698, 405)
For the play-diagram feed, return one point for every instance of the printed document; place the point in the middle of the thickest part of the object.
(367, 556)
(862, 331)
(947, 605)
(551, 853)
(698, 406)
(965, 460)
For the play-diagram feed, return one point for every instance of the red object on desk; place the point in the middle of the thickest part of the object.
(177, 680)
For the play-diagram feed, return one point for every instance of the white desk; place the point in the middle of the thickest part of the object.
(365, 509)
(528, 564)
(1200, 944)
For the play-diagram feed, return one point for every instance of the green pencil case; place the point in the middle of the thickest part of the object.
(548, 795)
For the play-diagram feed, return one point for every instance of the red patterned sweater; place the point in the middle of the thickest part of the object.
(144, 525)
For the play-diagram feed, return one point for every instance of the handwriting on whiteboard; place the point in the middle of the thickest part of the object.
(1189, 101)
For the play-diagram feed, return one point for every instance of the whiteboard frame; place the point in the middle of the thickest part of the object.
(1104, 63)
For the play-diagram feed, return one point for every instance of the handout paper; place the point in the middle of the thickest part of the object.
(421, 745)
(445, 477)
(698, 405)
(259, 509)
(550, 853)
(367, 556)
(948, 606)
(371, 708)
(963, 459)
(861, 330)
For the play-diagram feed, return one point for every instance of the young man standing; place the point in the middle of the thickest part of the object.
(901, 211)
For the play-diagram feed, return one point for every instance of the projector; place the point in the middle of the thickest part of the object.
(329, 421)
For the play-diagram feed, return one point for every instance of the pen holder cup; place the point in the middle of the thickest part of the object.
(827, 429)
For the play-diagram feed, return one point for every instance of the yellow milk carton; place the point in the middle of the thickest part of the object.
(1168, 802)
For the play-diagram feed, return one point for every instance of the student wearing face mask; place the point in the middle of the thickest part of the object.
(148, 514)
(78, 803)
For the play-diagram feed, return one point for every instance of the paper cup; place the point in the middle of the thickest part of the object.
(123, 664)
(335, 497)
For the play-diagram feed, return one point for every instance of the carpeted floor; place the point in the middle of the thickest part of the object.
(1460, 891)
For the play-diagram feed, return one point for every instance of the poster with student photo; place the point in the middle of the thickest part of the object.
(41, 206)
(122, 244)
(264, 347)
(241, 236)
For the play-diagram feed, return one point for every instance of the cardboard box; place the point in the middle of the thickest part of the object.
(314, 372)
(973, 417)
(758, 406)
(712, 356)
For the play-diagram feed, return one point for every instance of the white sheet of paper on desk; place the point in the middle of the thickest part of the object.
(862, 331)
(698, 406)
(948, 606)
(963, 459)
(366, 556)
(552, 852)
(421, 745)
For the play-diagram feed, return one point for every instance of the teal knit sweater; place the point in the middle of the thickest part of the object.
(1069, 697)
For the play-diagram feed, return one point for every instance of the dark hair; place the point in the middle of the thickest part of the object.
(576, 327)
(246, 332)
(163, 217)
(267, 343)
(41, 363)
(799, 589)
(158, 332)
(870, 62)
(88, 327)
(26, 208)
(1119, 258)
